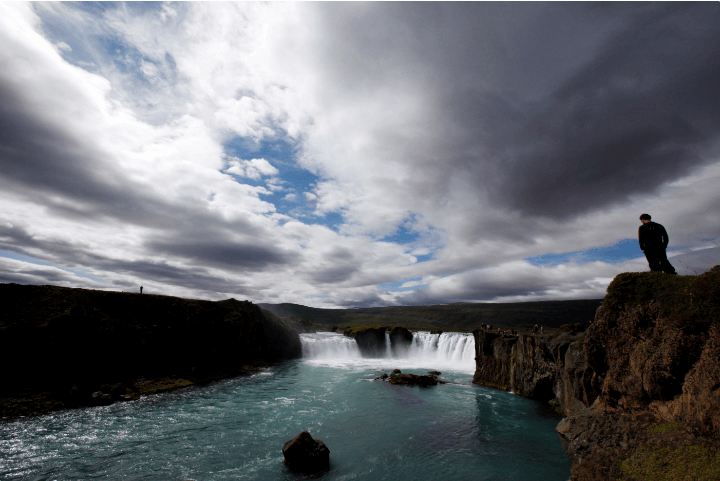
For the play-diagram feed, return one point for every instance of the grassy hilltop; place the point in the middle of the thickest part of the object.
(461, 316)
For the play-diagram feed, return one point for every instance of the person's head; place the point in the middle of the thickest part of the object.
(645, 218)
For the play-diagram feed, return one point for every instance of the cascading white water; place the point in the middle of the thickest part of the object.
(329, 345)
(449, 350)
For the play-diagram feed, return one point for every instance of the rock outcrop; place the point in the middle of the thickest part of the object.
(305, 454)
(643, 379)
(397, 377)
(400, 340)
(60, 347)
(373, 340)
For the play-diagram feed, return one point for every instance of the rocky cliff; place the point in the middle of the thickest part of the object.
(62, 347)
(372, 340)
(640, 390)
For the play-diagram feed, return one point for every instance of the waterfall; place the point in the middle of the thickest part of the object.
(512, 368)
(329, 345)
(449, 350)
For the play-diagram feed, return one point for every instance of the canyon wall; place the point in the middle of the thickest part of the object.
(644, 377)
(371, 340)
(62, 347)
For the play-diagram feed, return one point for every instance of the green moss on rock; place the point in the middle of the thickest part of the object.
(668, 427)
(677, 295)
(656, 463)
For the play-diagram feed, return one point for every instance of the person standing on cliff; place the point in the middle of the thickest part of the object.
(653, 241)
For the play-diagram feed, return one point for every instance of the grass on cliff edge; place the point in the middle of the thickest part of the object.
(656, 463)
(676, 295)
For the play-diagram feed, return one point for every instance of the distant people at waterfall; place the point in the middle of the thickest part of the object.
(535, 329)
(654, 240)
(140, 289)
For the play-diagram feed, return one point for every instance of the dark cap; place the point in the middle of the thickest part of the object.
(645, 216)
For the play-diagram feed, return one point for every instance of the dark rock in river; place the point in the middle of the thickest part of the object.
(370, 340)
(400, 340)
(64, 344)
(305, 454)
(397, 377)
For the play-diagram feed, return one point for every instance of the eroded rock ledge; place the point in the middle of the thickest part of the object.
(644, 379)
(62, 347)
(371, 340)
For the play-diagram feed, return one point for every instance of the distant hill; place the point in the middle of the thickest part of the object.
(460, 316)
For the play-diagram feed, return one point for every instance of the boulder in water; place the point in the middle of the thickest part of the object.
(305, 454)
(99, 398)
(413, 379)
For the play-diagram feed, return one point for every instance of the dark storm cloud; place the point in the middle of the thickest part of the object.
(223, 253)
(547, 109)
(16, 239)
(643, 112)
(337, 265)
(333, 274)
(37, 276)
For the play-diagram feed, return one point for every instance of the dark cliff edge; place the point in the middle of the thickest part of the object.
(639, 391)
(371, 340)
(63, 348)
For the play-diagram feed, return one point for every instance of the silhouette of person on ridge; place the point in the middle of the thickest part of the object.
(653, 241)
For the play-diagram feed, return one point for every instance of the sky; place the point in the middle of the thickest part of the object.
(356, 154)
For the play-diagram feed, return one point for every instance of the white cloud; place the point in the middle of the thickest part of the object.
(252, 169)
(63, 46)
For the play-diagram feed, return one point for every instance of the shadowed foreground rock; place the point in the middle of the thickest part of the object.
(63, 347)
(305, 454)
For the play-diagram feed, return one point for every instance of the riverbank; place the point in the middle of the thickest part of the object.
(63, 348)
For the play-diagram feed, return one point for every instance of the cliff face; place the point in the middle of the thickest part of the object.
(545, 367)
(371, 340)
(64, 344)
(644, 379)
(654, 354)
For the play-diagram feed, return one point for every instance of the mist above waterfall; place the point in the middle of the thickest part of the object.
(449, 351)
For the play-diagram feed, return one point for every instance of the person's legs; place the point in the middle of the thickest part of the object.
(653, 260)
(667, 268)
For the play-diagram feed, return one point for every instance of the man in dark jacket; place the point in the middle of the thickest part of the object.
(653, 242)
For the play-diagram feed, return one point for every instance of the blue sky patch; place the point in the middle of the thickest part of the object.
(622, 251)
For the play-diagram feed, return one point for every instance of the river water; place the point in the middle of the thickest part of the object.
(235, 429)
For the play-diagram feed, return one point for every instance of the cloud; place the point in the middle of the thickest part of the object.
(252, 169)
(140, 145)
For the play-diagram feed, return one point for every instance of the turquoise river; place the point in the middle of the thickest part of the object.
(235, 429)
